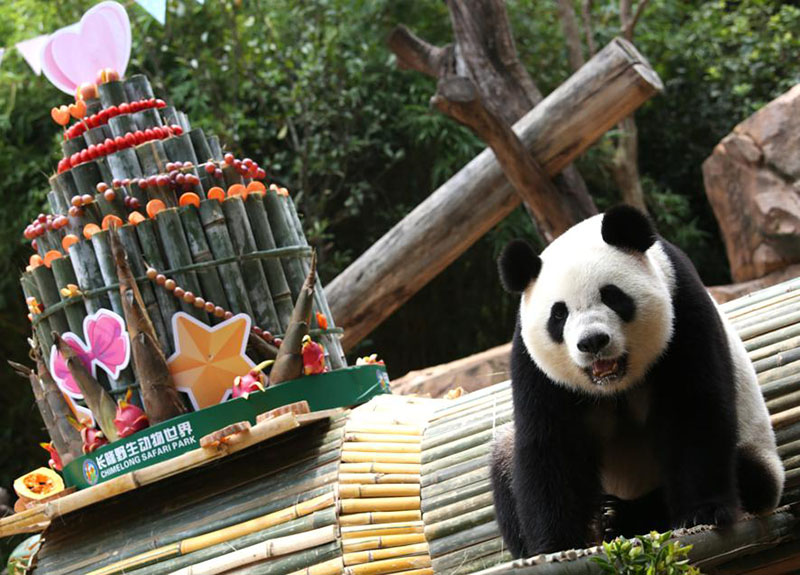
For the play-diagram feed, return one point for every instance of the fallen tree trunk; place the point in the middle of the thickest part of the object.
(606, 90)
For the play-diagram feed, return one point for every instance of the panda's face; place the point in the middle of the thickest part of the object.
(596, 317)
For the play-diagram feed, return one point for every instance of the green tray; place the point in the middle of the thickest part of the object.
(341, 388)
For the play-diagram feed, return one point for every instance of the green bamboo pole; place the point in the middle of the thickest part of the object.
(64, 274)
(215, 147)
(244, 243)
(48, 291)
(219, 241)
(162, 325)
(456, 458)
(105, 260)
(776, 348)
(87, 175)
(198, 246)
(41, 329)
(469, 441)
(430, 505)
(285, 565)
(112, 93)
(483, 563)
(777, 360)
(336, 353)
(478, 498)
(72, 146)
(137, 87)
(152, 157)
(778, 373)
(87, 270)
(452, 562)
(152, 254)
(780, 387)
(448, 473)
(96, 135)
(121, 125)
(789, 449)
(292, 267)
(125, 164)
(176, 248)
(148, 118)
(433, 492)
(458, 532)
(281, 294)
(180, 149)
(201, 148)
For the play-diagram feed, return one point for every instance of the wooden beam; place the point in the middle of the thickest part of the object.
(607, 89)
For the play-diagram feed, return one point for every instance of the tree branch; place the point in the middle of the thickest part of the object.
(586, 12)
(639, 10)
(572, 36)
(414, 53)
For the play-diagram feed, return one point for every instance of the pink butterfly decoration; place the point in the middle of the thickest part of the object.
(75, 54)
(107, 346)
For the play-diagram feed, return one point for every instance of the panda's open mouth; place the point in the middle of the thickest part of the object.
(605, 370)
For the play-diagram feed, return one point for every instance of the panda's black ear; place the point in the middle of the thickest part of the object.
(627, 228)
(518, 265)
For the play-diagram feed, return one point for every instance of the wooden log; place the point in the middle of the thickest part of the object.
(241, 235)
(219, 241)
(178, 255)
(608, 88)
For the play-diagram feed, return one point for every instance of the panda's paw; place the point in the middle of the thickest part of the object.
(713, 513)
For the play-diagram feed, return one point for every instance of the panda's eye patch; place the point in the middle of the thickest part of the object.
(558, 317)
(618, 301)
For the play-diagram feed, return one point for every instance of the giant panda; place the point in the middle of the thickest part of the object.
(627, 382)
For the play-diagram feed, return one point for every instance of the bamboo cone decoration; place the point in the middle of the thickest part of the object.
(159, 396)
(97, 399)
(62, 413)
(289, 362)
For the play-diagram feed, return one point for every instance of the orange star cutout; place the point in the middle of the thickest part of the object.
(207, 359)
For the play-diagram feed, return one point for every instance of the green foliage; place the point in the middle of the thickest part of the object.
(651, 554)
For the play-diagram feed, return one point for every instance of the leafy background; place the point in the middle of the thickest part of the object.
(309, 89)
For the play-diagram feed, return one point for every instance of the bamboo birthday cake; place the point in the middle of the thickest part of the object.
(172, 292)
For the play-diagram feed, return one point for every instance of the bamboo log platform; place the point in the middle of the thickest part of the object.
(399, 485)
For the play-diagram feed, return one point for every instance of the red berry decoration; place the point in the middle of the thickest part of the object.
(229, 159)
(102, 187)
(210, 168)
(109, 195)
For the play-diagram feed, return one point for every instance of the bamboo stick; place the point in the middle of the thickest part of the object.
(460, 523)
(465, 444)
(787, 434)
(112, 93)
(450, 562)
(468, 534)
(789, 449)
(243, 242)
(292, 562)
(432, 491)
(498, 417)
(87, 270)
(456, 458)
(105, 260)
(460, 508)
(379, 429)
(97, 399)
(765, 315)
(777, 373)
(279, 288)
(198, 246)
(755, 298)
(360, 531)
(381, 438)
(778, 360)
(200, 144)
(162, 324)
(783, 402)
(778, 335)
(380, 467)
(785, 418)
(420, 571)
(151, 253)
(330, 567)
(64, 275)
(775, 348)
(50, 296)
(178, 254)
(261, 551)
(160, 398)
(780, 387)
(379, 504)
(390, 565)
(462, 409)
(370, 543)
(452, 497)
(360, 557)
(498, 407)
(377, 457)
(219, 241)
(137, 87)
(383, 490)
(377, 478)
(382, 447)
(375, 517)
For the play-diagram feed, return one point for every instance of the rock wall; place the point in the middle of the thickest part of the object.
(752, 180)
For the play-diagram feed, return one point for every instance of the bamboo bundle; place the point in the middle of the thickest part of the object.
(65, 275)
(210, 282)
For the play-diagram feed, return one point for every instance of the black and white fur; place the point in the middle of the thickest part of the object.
(627, 382)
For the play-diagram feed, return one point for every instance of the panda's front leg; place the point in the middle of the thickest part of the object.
(557, 490)
(696, 440)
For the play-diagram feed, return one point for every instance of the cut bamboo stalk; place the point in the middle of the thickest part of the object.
(200, 144)
(784, 402)
(261, 552)
(122, 125)
(466, 443)
(125, 164)
(785, 418)
(499, 406)
(377, 478)
(447, 563)
(331, 567)
(453, 497)
(292, 267)
(779, 372)
(360, 557)
(460, 508)
(97, 399)
(780, 387)
(112, 93)
(162, 325)
(454, 471)
(772, 337)
(787, 434)
(137, 87)
(455, 484)
(458, 524)
(221, 246)
(421, 571)
(456, 458)
(356, 427)
(370, 543)
(198, 246)
(359, 531)
(382, 447)
(292, 562)
(151, 253)
(176, 249)
(279, 288)
(180, 149)
(789, 449)
(50, 296)
(496, 417)
(243, 242)
(465, 536)
(372, 518)
(777, 360)
(385, 490)
(83, 260)
(64, 275)
(781, 346)
(108, 270)
(380, 467)
(389, 565)
(381, 438)
(379, 504)
(377, 457)
(160, 398)
(153, 159)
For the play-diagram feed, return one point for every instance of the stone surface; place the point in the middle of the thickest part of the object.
(752, 180)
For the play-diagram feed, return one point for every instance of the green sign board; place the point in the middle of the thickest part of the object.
(179, 435)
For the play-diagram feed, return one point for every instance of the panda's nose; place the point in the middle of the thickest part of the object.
(593, 342)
